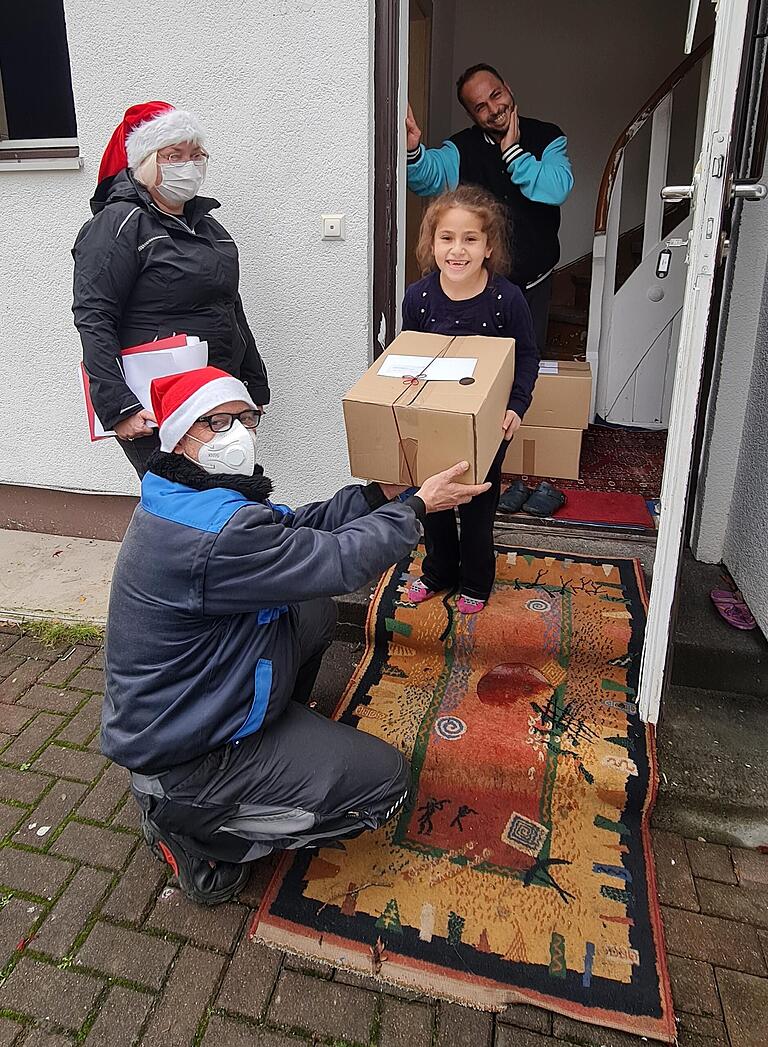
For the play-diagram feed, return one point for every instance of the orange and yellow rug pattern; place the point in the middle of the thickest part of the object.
(520, 870)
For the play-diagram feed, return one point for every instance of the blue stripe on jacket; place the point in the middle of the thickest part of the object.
(262, 688)
(434, 170)
(203, 510)
(545, 181)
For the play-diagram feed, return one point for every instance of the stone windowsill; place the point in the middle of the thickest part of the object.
(54, 154)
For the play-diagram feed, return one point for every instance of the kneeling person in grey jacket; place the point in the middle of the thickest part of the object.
(219, 617)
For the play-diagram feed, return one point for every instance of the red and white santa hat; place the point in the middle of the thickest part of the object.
(180, 399)
(144, 129)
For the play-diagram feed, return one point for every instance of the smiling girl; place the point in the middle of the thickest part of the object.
(462, 249)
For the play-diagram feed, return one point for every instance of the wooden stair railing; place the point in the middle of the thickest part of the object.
(603, 290)
(636, 123)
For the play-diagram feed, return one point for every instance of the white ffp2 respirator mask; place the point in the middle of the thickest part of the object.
(181, 182)
(230, 452)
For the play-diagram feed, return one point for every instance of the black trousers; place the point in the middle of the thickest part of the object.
(465, 559)
(538, 299)
(302, 781)
(139, 451)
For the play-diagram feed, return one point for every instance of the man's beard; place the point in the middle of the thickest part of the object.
(501, 126)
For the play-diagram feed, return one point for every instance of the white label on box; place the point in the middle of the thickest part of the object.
(548, 367)
(443, 369)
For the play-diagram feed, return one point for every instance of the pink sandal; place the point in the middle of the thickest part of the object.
(418, 592)
(732, 608)
(469, 605)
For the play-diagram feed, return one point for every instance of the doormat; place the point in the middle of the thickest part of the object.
(521, 869)
(595, 509)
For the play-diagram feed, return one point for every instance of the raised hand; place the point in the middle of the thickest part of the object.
(512, 137)
(412, 130)
(442, 491)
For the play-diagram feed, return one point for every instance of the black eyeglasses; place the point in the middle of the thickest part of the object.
(222, 423)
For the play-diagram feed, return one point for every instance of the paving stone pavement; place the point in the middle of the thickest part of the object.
(96, 948)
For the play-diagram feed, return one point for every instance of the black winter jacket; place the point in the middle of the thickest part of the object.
(141, 274)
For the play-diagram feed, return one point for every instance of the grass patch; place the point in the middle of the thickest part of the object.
(51, 632)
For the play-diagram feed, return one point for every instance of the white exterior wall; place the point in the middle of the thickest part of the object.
(285, 88)
(744, 332)
(746, 539)
(731, 521)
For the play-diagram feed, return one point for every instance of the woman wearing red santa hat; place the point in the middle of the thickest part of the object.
(153, 262)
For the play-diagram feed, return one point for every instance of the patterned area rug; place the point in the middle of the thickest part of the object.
(521, 871)
(617, 460)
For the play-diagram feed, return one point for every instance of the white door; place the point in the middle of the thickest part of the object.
(710, 194)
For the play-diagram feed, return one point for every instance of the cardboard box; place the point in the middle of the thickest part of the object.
(561, 401)
(549, 441)
(537, 451)
(402, 430)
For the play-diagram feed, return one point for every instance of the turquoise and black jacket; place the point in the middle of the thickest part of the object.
(202, 634)
(532, 178)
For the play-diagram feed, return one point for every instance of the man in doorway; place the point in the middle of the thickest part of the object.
(522, 161)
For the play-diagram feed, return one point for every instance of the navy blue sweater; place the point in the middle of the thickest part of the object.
(500, 310)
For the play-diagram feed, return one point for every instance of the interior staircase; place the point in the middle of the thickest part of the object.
(569, 311)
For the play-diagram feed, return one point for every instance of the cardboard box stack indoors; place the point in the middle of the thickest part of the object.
(548, 443)
(429, 402)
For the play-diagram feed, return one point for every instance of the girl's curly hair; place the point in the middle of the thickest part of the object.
(493, 222)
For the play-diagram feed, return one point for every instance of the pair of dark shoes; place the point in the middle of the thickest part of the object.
(202, 880)
(544, 501)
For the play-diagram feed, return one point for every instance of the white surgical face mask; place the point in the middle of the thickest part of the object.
(180, 182)
(230, 452)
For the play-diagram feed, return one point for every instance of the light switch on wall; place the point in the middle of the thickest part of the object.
(333, 227)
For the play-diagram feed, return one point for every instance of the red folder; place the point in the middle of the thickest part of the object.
(176, 341)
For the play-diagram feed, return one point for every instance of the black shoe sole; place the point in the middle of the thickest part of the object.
(541, 513)
(158, 846)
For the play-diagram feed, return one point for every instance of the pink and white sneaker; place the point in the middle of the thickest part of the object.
(418, 592)
(469, 605)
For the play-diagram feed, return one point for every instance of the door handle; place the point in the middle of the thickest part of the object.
(749, 191)
(676, 193)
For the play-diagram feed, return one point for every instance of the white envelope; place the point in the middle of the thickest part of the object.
(141, 364)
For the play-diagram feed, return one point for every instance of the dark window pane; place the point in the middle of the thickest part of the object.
(34, 62)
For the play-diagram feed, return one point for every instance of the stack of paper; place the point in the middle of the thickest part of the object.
(141, 363)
